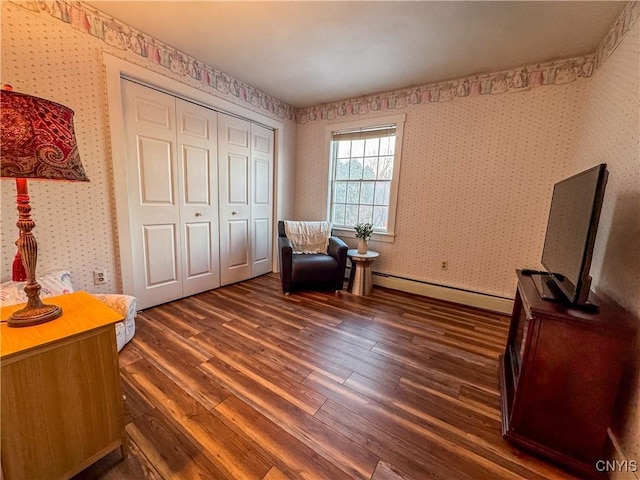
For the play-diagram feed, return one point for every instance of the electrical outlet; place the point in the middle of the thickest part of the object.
(444, 265)
(99, 277)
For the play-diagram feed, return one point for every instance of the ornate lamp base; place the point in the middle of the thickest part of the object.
(34, 312)
(34, 315)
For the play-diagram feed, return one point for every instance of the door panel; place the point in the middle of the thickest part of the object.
(150, 137)
(262, 140)
(197, 137)
(155, 165)
(235, 208)
(195, 126)
(262, 154)
(237, 181)
(152, 114)
(160, 247)
(196, 175)
(238, 239)
(236, 133)
(198, 241)
(261, 182)
(261, 243)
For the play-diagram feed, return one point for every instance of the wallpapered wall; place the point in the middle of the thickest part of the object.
(54, 58)
(478, 166)
(610, 132)
(475, 184)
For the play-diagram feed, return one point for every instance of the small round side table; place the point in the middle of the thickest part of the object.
(360, 281)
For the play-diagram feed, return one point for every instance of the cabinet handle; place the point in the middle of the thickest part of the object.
(199, 214)
(234, 213)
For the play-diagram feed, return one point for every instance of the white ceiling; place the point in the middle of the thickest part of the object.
(308, 52)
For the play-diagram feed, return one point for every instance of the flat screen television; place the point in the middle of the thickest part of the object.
(571, 233)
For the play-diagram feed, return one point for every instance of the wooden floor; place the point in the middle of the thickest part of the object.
(245, 383)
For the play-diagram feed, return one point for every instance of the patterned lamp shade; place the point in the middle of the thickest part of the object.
(38, 139)
(38, 142)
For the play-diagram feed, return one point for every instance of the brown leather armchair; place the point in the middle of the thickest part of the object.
(311, 270)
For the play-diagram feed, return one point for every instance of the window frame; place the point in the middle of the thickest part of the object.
(396, 120)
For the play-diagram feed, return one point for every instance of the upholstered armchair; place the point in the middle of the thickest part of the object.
(324, 269)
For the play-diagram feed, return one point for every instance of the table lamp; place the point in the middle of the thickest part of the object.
(37, 142)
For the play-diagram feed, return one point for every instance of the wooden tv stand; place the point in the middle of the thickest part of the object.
(559, 377)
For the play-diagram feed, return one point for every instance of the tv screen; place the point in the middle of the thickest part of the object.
(571, 231)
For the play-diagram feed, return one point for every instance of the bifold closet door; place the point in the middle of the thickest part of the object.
(198, 171)
(262, 154)
(245, 152)
(171, 155)
(234, 155)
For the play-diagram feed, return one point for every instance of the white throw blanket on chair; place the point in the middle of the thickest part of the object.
(308, 237)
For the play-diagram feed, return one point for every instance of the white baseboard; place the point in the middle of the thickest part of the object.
(473, 299)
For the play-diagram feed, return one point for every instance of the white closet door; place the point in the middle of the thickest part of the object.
(200, 196)
(261, 199)
(197, 135)
(153, 194)
(171, 148)
(234, 200)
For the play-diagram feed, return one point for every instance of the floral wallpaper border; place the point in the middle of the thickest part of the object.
(616, 33)
(118, 34)
(524, 78)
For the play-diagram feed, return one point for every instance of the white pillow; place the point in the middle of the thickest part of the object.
(52, 284)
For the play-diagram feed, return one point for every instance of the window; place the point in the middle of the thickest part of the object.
(365, 162)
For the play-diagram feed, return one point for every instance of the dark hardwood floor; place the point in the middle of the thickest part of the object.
(244, 383)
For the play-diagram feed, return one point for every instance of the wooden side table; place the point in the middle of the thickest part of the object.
(360, 282)
(61, 397)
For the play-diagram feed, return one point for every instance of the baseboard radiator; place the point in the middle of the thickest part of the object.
(443, 292)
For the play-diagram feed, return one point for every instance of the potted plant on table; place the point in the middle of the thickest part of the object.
(363, 234)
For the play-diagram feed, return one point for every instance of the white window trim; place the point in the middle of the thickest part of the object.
(398, 121)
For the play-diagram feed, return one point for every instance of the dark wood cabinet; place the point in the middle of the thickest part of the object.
(559, 376)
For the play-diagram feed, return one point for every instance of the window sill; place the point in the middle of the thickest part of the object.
(376, 237)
